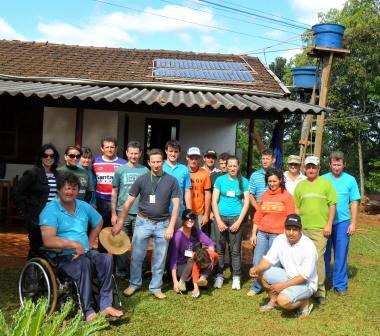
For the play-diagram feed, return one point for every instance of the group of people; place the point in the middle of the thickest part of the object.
(194, 214)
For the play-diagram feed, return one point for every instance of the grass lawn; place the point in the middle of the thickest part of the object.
(227, 312)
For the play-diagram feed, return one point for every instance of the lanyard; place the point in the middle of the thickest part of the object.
(151, 181)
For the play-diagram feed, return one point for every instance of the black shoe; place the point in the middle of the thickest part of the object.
(320, 300)
(341, 293)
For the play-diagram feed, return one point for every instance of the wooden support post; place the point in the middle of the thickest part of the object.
(281, 123)
(323, 95)
(79, 126)
(251, 131)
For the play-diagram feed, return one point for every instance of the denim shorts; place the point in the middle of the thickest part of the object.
(294, 293)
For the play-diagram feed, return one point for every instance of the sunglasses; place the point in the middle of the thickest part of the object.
(190, 219)
(45, 156)
(73, 156)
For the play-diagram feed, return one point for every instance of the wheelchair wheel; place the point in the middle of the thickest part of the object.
(37, 279)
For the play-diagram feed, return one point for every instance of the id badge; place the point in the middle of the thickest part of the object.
(152, 199)
(188, 253)
(230, 193)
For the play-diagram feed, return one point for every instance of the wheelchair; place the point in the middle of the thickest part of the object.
(41, 277)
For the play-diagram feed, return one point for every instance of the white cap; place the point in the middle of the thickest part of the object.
(313, 160)
(193, 151)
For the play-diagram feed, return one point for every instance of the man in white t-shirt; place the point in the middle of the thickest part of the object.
(291, 285)
(293, 175)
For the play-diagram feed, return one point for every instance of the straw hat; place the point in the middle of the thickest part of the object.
(114, 244)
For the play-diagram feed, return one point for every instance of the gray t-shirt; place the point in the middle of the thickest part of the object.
(164, 188)
(123, 179)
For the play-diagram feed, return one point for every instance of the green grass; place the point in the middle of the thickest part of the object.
(227, 312)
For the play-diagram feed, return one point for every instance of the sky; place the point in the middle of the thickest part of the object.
(215, 26)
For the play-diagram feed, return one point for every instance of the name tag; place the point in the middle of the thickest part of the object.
(188, 253)
(230, 193)
(152, 199)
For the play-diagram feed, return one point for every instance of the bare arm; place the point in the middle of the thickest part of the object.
(354, 215)
(50, 240)
(215, 198)
(253, 201)
(175, 280)
(115, 193)
(328, 227)
(121, 220)
(278, 287)
(94, 233)
(207, 207)
(188, 202)
(243, 212)
(256, 272)
(173, 218)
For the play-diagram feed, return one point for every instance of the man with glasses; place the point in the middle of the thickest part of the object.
(293, 175)
(316, 199)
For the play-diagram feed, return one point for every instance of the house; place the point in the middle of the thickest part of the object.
(76, 95)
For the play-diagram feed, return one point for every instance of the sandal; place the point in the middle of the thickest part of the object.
(266, 308)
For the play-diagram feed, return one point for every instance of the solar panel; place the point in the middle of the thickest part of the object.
(195, 69)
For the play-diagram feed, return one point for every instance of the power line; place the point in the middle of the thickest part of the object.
(190, 22)
(233, 18)
(272, 51)
(256, 15)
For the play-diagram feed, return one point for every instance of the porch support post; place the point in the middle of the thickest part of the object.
(79, 126)
(251, 131)
(281, 124)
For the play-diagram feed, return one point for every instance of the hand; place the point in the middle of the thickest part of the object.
(277, 288)
(253, 272)
(204, 220)
(351, 229)
(253, 240)
(79, 250)
(114, 220)
(327, 231)
(196, 293)
(235, 227)
(211, 248)
(176, 287)
(221, 226)
(116, 229)
(212, 217)
(169, 233)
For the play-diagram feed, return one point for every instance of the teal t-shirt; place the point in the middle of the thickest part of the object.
(231, 197)
(347, 190)
(123, 179)
(313, 200)
(70, 226)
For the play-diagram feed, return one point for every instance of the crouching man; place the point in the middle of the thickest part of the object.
(291, 285)
(64, 223)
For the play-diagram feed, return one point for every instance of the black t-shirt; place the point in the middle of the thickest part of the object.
(164, 188)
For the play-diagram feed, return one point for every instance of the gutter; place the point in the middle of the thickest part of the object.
(144, 85)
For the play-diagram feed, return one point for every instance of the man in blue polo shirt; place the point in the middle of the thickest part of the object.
(344, 225)
(181, 173)
(64, 223)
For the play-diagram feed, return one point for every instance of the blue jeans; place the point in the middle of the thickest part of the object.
(293, 293)
(339, 241)
(263, 243)
(145, 230)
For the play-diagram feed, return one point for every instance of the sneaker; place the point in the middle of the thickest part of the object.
(252, 293)
(236, 282)
(202, 282)
(182, 285)
(218, 282)
(305, 312)
(159, 295)
(130, 291)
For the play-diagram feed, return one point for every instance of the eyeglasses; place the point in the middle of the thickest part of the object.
(73, 156)
(45, 156)
(190, 219)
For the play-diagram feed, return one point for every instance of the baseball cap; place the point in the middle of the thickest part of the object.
(313, 160)
(294, 159)
(193, 151)
(210, 152)
(293, 220)
(188, 214)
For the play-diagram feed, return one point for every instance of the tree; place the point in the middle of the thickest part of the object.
(278, 67)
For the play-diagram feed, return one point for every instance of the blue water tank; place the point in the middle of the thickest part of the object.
(304, 77)
(328, 35)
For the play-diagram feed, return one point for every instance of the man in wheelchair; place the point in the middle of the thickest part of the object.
(64, 225)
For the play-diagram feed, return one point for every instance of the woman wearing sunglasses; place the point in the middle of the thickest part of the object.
(36, 187)
(72, 157)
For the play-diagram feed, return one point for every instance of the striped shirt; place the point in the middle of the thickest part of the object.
(104, 171)
(257, 185)
(52, 186)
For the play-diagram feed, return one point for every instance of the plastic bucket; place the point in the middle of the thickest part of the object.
(328, 35)
(305, 77)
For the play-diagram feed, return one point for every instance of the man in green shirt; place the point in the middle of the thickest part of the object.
(316, 200)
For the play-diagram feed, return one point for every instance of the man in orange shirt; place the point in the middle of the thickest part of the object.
(200, 187)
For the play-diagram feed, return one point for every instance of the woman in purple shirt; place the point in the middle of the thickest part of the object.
(182, 247)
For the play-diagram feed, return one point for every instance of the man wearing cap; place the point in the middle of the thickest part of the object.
(209, 158)
(315, 199)
(291, 285)
(344, 224)
(173, 167)
(293, 175)
(64, 223)
(257, 185)
(157, 190)
(200, 187)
